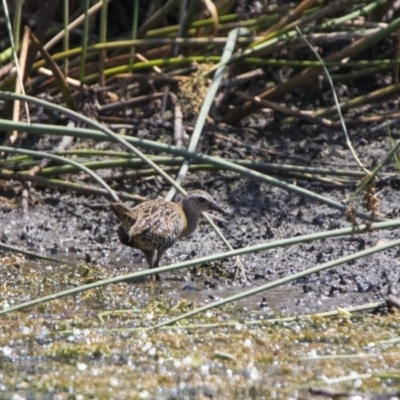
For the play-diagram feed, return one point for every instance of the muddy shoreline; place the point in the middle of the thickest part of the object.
(61, 224)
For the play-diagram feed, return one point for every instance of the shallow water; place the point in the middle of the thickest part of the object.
(93, 345)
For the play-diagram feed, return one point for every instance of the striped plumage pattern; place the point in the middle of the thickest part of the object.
(153, 226)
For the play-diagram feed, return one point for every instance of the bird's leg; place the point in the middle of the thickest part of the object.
(149, 254)
(156, 264)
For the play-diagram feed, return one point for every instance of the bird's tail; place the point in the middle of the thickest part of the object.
(123, 214)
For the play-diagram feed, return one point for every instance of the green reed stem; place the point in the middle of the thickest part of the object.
(41, 154)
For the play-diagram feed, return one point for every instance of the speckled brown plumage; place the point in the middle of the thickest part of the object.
(153, 226)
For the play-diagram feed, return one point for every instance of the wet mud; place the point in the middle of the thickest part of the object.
(83, 229)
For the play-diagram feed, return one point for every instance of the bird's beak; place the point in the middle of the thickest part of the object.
(218, 208)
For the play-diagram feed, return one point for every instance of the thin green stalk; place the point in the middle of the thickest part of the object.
(66, 34)
(41, 154)
(239, 252)
(168, 161)
(226, 22)
(35, 256)
(15, 45)
(392, 144)
(186, 17)
(263, 322)
(135, 19)
(85, 37)
(385, 63)
(100, 164)
(361, 12)
(361, 74)
(375, 171)
(338, 357)
(163, 62)
(282, 281)
(352, 377)
(58, 183)
(17, 20)
(103, 39)
(360, 100)
(74, 24)
(122, 44)
(173, 160)
(157, 16)
(128, 160)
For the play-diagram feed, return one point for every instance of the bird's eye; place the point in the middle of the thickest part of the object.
(202, 200)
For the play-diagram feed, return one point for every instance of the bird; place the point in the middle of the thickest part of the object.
(155, 225)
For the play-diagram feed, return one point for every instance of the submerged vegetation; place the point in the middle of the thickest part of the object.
(86, 346)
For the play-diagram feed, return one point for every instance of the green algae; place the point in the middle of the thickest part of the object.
(99, 345)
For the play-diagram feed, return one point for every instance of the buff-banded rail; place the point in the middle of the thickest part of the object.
(154, 225)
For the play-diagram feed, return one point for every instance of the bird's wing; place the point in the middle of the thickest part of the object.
(159, 219)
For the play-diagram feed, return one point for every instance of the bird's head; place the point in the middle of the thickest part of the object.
(202, 201)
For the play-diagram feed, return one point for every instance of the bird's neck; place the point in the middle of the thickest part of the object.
(192, 217)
